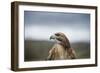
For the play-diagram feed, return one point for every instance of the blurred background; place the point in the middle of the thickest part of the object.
(39, 26)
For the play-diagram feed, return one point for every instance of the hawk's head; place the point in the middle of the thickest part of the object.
(61, 38)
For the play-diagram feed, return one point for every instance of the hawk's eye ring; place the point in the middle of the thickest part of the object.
(57, 34)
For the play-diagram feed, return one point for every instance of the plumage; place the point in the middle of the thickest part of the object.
(61, 49)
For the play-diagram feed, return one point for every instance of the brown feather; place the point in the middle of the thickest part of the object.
(61, 50)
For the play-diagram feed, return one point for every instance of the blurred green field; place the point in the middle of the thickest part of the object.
(38, 50)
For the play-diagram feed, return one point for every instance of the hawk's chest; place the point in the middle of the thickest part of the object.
(59, 52)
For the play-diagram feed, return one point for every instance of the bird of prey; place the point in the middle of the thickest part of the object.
(62, 49)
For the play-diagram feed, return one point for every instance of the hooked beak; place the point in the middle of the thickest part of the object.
(52, 37)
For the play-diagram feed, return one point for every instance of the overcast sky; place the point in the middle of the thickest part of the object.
(40, 25)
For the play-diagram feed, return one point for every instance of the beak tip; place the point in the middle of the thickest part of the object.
(52, 37)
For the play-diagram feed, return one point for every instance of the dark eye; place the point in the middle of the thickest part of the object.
(57, 34)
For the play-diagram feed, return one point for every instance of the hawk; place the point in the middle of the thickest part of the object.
(62, 49)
